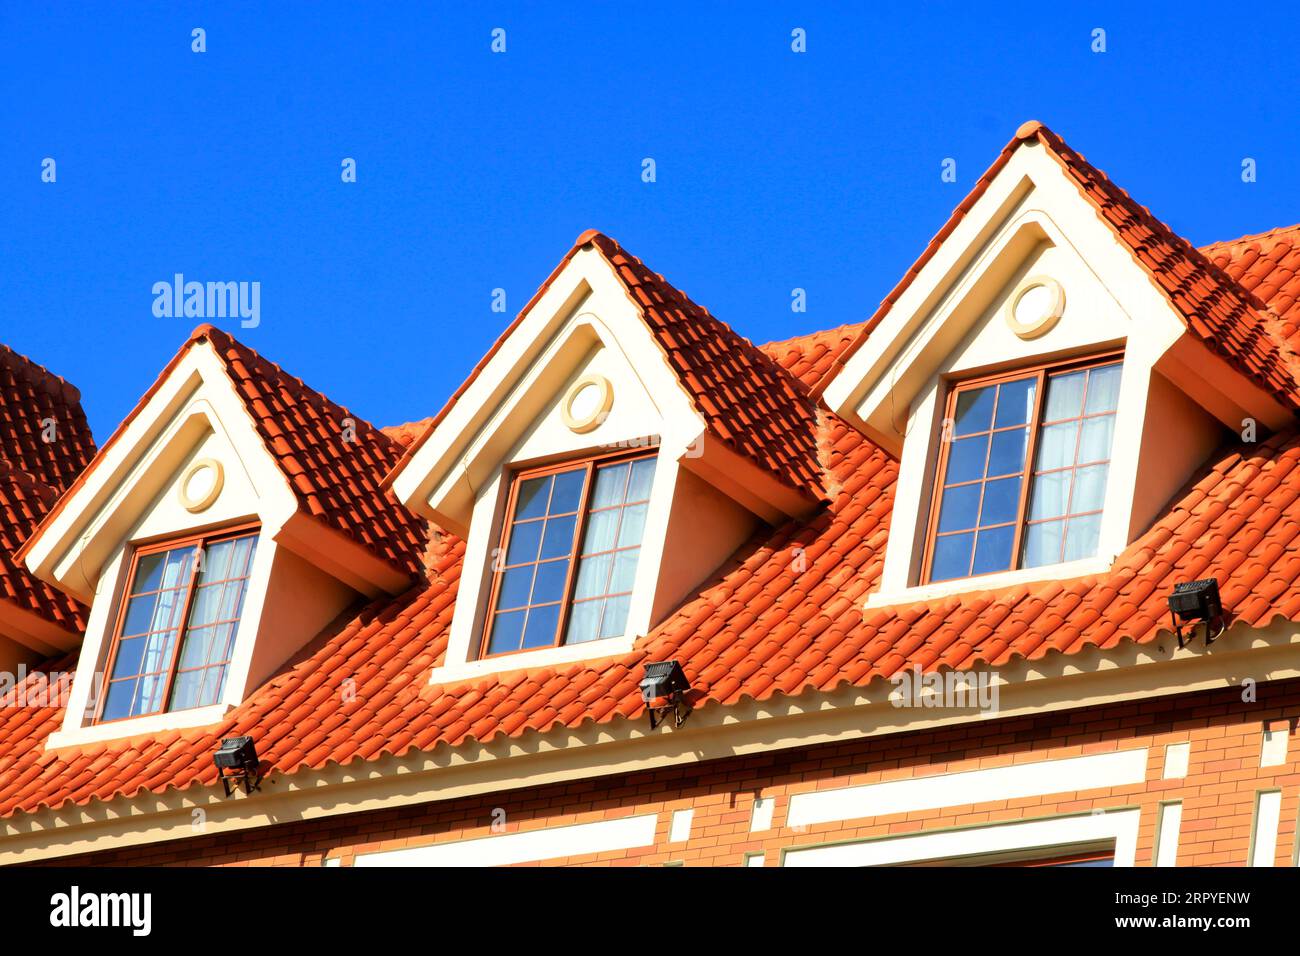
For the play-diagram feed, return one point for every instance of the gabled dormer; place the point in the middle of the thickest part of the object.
(615, 445)
(233, 515)
(1049, 373)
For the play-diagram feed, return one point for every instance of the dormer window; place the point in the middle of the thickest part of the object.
(570, 553)
(176, 629)
(1023, 468)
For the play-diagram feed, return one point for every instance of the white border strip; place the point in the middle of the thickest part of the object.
(528, 847)
(1118, 825)
(1167, 831)
(970, 787)
(1268, 812)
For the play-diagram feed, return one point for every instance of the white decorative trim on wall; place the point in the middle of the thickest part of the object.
(1263, 836)
(1121, 826)
(529, 846)
(969, 787)
(1272, 751)
(761, 817)
(679, 831)
(1167, 827)
(1177, 757)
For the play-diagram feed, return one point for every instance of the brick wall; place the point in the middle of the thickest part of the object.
(1218, 794)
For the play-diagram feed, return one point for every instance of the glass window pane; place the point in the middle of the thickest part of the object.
(525, 539)
(966, 458)
(157, 653)
(542, 624)
(1056, 446)
(241, 565)
(1064, 396)
(207, 601)
(550, 580)
(1089, 488)
(567, 494)
(593, 576)
(515, 586)
(643, 472)
(129, 654)
(507, 629)
(584, 622)
(1001, 501)
(186, 692)
(121, 694)
(624, 570)
(1050, 495)
(148, 572)
(958, 509)
(176, 574)
(1015, 402)
(1081, 537)
(974, 410)
(615, 620)
(152, 689)
(629, 535)
(557, 539)
(601, 529)
(1103, 389)
(993, 550)
(532, 498)
(198, 647)
(952, 554)
(611, 482)
(1094, 443)
(216, 561)
(139, 614)
(1042, 544)
(1007, 453)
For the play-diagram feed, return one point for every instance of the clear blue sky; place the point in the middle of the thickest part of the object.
(475, 171)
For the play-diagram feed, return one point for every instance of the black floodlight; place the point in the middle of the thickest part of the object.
(237, 763)
(665, 679)
(1195, 601)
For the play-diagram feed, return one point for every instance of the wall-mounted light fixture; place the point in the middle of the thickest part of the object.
(1195, 602)
(665, 680)
(237, 764)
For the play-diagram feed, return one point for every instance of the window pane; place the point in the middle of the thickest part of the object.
(541, 627)
(611, 482)
(602, 526)
(148, 572)
(1015, 402)
(643, 472)
(129, 655)
(958, 508)
(974, 410)
(207, 602)
(1064, 396)
(1103, 389)
(139, 614)
(120, 697)
(1056, 445)
(966, 459)
(550, 580)
(584, 622)
(216, 561)
(525, 539)
(1042, 544)
(1094, 443)
(176, 573)
(516, 584)
(199, 646)
(993, 550)
(186, 694)
(624, 570)
(557, 539)
(507, 630)
(1089, 488)
(1007, 454)
(629, 535)
(1081, 537)
(567, 493)
(593, 576)
(1050, 495)
(952, 554)
(1001, 501)
(615, 620)
(533, 496)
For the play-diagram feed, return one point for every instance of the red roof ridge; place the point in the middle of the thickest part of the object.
(1221, 244)
(39, 375)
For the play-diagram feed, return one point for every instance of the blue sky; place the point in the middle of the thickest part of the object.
(476, 170)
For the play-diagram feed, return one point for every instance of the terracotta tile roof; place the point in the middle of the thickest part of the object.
(744, 397)
(759, 629)
(336, 481)
(408, 432)
(23, 502)
(1225, 316)
(1267, 266)
(30, 395)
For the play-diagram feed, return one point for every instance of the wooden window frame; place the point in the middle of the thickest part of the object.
(1040, 373)
(590, 463)
(196, 540)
